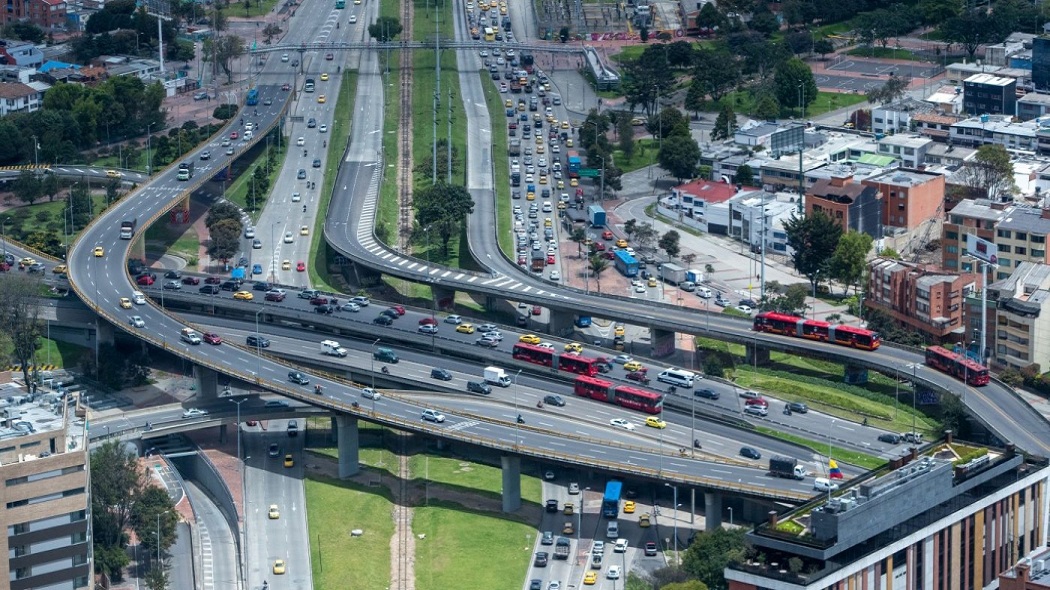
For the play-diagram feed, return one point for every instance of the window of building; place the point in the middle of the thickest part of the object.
(1004, 262)
(1003, 247)
(1002, 233)
(1021, 235)
(1021, 250)
(1038, 239)
(951, 235)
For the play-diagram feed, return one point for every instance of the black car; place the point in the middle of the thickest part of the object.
(479, 387)
(317, 163)
(889, 437)
(547, 538)
(383, 320)
(390, 313)
(209, 289)
(258, 341)
(311, 123)
(750, 453)
(173, 274)
(535, 584)
(442, 374)
(230, 286)
(554, 400)
(262, 287)
(552, 505)
(798, 407)
(298, 378)
(324, 308)
(541, 559)
(707, 393)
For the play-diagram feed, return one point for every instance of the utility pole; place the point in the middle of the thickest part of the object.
(449, 146)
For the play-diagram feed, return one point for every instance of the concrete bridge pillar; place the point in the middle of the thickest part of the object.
(560, 323)
(349, 445)
(492, 303)
(207, 382)
(105, 332)
(511, 482)
(757, 355)
(360, 275)
(444, 298)
(854, 374)
(712, 510)
(663, 342)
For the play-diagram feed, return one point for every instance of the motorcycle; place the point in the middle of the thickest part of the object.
(385, 370)
(317, 389)
(672, 389)
(520, 419)
(324, 143)
(539, 405)
(304, 153)
(696, 443)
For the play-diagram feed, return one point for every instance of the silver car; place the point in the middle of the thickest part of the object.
(369, 393)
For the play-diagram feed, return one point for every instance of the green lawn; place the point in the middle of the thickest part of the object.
(46, 217)
(462, 473)
(821, 447)
(59, 353)
(237, 191)
(644, 155)
(248, 8)
(501, 174)
(339, 561)
(743, 103)
(160, 237)
(456, 542)
(883, 53)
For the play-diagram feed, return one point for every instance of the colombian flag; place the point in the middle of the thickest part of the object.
(833, 470)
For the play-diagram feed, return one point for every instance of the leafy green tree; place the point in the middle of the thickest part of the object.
(221, 211)
(222, 51)
(629, 226)
(823, 47)
(157, 578)
(890, 253)
(717, 71)
(763, 21)
(116, 480)
(971, 29)
(710, 553)
(767, 107)
(891, 90)
(20, 316)
(386, 28)
(687, 585)
(579, 235)
(680, 54)
(225, 112)
(444, 207)
(989, 173)
(111, 370)
(725, 123)
(799, 41)
(153, 506)
(850, 259)
(709, 17)
(670, 242)
(225, 239)
(24, 31)
(597, 265)
(27, 187)
(799, 12)
(645, 236)
(270, 31)
(934, 12)
(744, 176)
(694, 97)
(625, 136)
(813, 239)
(794, 84)
(679, 156)
(646, 78)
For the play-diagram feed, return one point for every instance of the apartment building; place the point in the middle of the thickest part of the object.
(910, 150)
(43, 470)
(996, 130)
(989, 94)
(853, 205)
(1021, 237)
(970, 216)
(909, 197)
(920, 297)
(921, 523)
(16, 97)
(1021, 317)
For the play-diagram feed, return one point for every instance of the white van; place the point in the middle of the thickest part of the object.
(823, 484)
(138, 298)
(703, 292)
(677, 377)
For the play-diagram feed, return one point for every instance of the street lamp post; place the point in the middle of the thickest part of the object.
(258, 335)
(730, 516)
(238, 402)
(149, 161)
(675, 500)
(516, 411)
(374, 372)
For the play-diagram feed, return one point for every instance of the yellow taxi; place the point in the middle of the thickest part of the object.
(618, 330)
(562, 205)
(568, 142)
(530, 196)
(321, 99)
(99, 252)
(60, 269)
(508, 103)
(561, 185)
(621, 243)
(529, 339)
(652, 282)
(289, 461)
(274, 512)
(564, 124)
(286, 265)
(540, 150)
(324, 77)
(465, 328)
(125, 303)
(278, 565)
(503, 10)
(590, 578)
(548, 222)
(543, 179)
(551, 119)
(654, 422)
(27, 261)
(574, 182)
(632, 366)
(112, 174)
(574, 347)
(643, 521)
(304, 231)
(539, 140)
(628, 507)
(568, 528)
(243, 295)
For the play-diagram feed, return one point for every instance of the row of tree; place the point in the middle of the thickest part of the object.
(224, 231)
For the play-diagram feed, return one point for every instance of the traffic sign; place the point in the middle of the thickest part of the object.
(590, 172)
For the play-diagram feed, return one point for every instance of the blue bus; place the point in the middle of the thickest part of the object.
(625, 263)
(611, 501)
(253, 97)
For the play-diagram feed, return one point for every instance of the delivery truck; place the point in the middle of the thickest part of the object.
(672, 273)
(497, 376)
(596, 215)
(786, 467)
(332, 348)
(127, 228)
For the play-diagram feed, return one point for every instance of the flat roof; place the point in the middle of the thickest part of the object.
(989, 80)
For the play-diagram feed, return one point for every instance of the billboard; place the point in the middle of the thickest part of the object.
(981, 249)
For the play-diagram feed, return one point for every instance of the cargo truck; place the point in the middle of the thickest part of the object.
(694, 276)
(539, 262)
(332, 348)
(596, 215)
(672, 273)
(786, 467)
(127, 228)
(186, 170)
(561, 548)
(497, 376)
(515, 147)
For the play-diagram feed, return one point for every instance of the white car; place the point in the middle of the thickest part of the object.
(433, 416)
(301, 141)
(639, 288)
(546, 345)
(555, 275)
(288, 237)
(744, 308)
(194, 413)
(493, 335)
(136, 321)
(622, 423)
(322, 128)
(621, 359)
(484, 53)
(353, 19)
(613, 573)
(369, 393)
(620, 546)
(296, 197)
(453, 319)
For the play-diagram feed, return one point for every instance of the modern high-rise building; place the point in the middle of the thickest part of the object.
(1041, 63)
(952, 518)
(44, 483)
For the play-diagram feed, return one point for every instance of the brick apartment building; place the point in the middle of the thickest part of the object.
(970, 216)
(46, 14)
(853, 205)
(1021, 237)
(926, 299)
(909, 197)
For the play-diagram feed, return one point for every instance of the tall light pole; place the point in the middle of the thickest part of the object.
(675, 500)
(516, 411)
(374, 372)
(238, 402)
(149, 161)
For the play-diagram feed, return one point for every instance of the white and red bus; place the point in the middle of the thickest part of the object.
(792, 325)
(634, 398)
(548, 357)
(962, 368)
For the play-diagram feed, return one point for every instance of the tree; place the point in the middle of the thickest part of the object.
(444, 207)
(646, 78)
(688, 259)
(20, 316)
(598, 264)
(717, 71)
(225, 239)
(799, 41)
(971, 29)
(679, 156)
(813, 239)
(849, 259)
(670, 242)
(687, 585)
(710, 553)
(27, 186)
(888, 252)
(645, 236)
(744, 176)
(153, 507)
(694, 97)
(893, 89)
(725, 123)
(386, 28)
(767, 107)
(625, 136)
(222, 51)
(794, 84)
(799, 12)
(823, 47)
(669, 123)
(50, 187)
(934, 12)
(709, 17)
(116, 480)
(269, 32)
(221, 211)
(629, 226)
(579, 235)
(763, 21)
(989, 173)
(157, 578)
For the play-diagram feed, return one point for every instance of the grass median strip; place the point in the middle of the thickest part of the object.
(501, 174)
(859, 459)
(334, 508)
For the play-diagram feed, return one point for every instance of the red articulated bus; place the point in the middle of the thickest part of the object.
(634, 398)
(964, 369)
(792, 325)
(548, 357)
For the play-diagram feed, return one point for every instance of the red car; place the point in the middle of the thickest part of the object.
(607, 235)
(638, 376)
(399, 309)
(550, 260)
(301, 267)
(610, 254)
(190, 281)
(145, 280)
(521, 261)
(211, 338)
(428, 322)
(234, 135)
(536, 310)
(213, 281)
(319, 301)
(599, 246)
(274, 296)
(286, 87)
